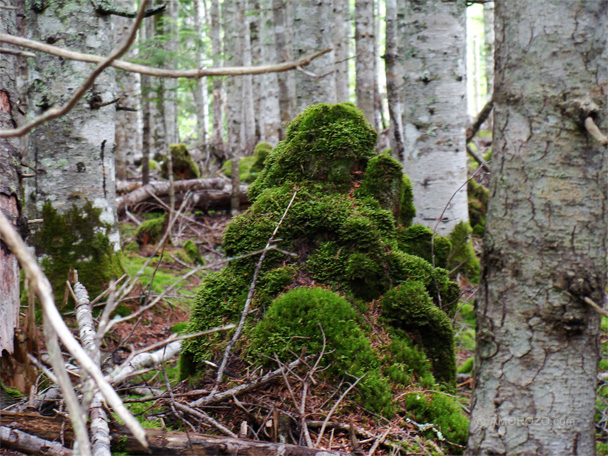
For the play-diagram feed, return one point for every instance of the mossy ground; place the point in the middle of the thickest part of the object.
(345, 232)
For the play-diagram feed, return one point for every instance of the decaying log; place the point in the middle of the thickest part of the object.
(161, 442)
(212, 193)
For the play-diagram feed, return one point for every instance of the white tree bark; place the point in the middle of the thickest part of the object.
(393, 68)
(73, 155)
(270, 113)
(129, 118)
(201, 96)
(217, 139)
(282, 12)
(170, 21)
(342, 31)
(431, 80)
(488, 22)
(365, 60)
(545, 245)
(312, 27)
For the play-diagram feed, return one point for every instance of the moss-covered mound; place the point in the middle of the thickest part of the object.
(250, 166)
(76, 239)
(341, 233)
(183, 164)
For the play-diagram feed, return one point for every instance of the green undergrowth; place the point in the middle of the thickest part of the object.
(346, 249)
(250, 165)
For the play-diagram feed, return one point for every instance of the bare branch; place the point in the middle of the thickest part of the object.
(160, 72)
(4, 50)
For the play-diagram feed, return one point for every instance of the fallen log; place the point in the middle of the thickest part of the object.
(211, 193)
(161, 442)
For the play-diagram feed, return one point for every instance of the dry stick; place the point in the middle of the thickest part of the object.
(245, 311)
(31, 443)
(310, 376)
(41, 286)
(100, 431)
(333, 409)
(203, 416)
(104, 63)
(594, 131)
(377, 443)
(479, 120)
(160, 72)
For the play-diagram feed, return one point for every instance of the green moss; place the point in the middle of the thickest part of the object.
(384, 180)
(409, 307)
(260, 154)
(418, 240)
(478, 205)
(151, 231)
(131, 247)
(77, 240)
(463, 258)
(303, 318)
(183, 164)
(467, 366)
(407, 363)
(193, 253)
(245, 164)
(442, 410)
(325, 144)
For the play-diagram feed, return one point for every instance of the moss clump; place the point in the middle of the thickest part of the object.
(326, 144)
(384, 181)
(463, 257)
(183, 165)
(409, 307)
(151, 231)
(478, 206)
(303, 318)
(443, 411)
(418, 240)
(191, 249)
(260, 154)
(76, 239)
(342, 233)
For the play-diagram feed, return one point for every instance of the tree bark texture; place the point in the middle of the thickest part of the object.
(73, 155)
(545, 244)
(365, 60)
(312, 27)
(282, 12)
(488, 29)
(217, 138)
(342, 39)
(10, 188)
(270, 113)
(430, 51)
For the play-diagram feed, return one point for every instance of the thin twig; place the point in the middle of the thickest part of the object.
(594, 131)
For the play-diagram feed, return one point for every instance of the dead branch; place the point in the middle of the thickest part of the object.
(16, 439)
(104, 63)
(479, 120)
(160, 72)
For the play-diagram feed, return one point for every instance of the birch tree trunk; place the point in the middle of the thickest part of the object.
(270, 113)
(128, 115)
(342, 28)
(282, 12)
(73, 155)
(393, 69)
(170, 20)
(431, 78)
(312, 27)
(545, 244)
(200, 88)
(217, 139)
(365, 60)
(488, 23)
(10, 191)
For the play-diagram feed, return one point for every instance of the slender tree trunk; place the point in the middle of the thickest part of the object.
(431, 78)
(394, 90)
(365, 60)
(248, 135)
(545, 244)
(200, 88)
(128, 115)
(341, 9)
(282, 12)
(488, 22)
(313, 24)
(170, 20)
(270, 113)
(217, 139)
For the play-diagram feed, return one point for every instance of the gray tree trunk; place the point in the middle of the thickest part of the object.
(10, 186)
(342, 29)
(201, 97)
(545, 243)
(270, 113)
(393, 69)
(129, 115)
(217, 138)
(488, 22)
(312, 27)
(282, 12)
(170, 21)
(365, 60)
(73, 155)
(431, 79)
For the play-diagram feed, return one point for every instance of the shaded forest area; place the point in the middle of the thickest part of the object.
(255, 227)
